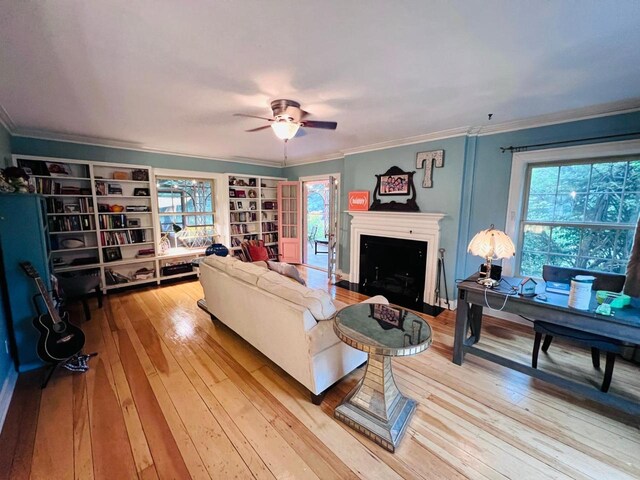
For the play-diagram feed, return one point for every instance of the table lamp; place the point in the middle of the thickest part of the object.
(491, 244)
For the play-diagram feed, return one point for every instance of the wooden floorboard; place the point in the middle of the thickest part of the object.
(173, 394)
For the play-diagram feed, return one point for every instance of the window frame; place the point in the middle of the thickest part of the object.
(216, 201)
(520, 175)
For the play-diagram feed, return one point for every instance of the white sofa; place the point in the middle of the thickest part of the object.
(288, 322)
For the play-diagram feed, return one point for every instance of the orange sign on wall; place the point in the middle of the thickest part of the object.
(359, 200)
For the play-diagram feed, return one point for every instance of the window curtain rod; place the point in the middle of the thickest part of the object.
(524, 148)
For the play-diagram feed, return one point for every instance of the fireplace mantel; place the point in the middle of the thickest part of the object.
(408, 225)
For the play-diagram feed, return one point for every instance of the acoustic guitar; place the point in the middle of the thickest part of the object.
(59, 340)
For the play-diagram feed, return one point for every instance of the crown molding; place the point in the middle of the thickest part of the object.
(6, 122)
(137, 147)
(428, 137)
(565, 116)
(315, 159)
(601, 110)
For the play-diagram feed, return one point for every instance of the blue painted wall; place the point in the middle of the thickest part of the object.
(6, 363)
(490, 171)
(50, 148)
(358, 173)
(472, 188)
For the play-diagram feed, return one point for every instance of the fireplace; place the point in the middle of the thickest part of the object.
(416, 226)
(393, 267)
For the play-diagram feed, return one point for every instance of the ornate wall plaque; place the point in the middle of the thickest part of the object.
(395, 181)
(428, 160)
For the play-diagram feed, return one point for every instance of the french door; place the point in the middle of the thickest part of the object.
(289, 222)
(332, 234)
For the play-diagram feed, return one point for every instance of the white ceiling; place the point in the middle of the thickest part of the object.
(168, 75)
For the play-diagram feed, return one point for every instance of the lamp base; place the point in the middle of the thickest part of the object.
(488, 282)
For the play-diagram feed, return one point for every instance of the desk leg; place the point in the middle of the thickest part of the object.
(462, 325)
(467, 317)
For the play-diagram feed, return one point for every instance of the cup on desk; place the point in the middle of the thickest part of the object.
(580, 292)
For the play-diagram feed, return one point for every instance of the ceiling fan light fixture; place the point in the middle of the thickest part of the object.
(285, 130)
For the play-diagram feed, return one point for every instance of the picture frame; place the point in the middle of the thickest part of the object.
(72, 208)
(112, 254)
(133, 222)
(252, 182)
(101, 188)
(57, 169)
(241, 194)
(232, 206)
(394, 184)
(140, 175)
(240, 207)
(141, 192)
(252, 193)
(386, 316)
(232, 193)
(253, 205)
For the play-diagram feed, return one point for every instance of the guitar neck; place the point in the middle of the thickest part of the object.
(51, 308)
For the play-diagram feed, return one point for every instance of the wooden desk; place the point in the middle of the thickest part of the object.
(624, 326)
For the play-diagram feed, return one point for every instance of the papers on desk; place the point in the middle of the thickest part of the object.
(557, 287)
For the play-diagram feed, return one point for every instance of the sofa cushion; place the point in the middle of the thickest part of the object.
(318, 302)
(287, 270)
(246, 272)
(221, 263)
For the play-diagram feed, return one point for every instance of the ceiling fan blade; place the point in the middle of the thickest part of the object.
(258, 129)
(300, 133)
(317, 124)
(252, 116)
(303, 114)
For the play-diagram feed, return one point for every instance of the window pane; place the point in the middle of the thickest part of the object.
(608, 177)
(540, 207)
(562, 261)
(536, 238)
(570, 207)
(574, 178)
(180, 196)
(565, 240)
(633, 177)
(598, 243)
(630, 208)
(544, 179)
(603, 207)
(532, 263)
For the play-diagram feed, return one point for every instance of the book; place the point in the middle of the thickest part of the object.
(557, 287)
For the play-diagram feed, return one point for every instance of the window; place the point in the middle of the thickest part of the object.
(579, 213)
(185, 209)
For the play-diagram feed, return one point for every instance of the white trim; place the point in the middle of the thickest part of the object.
(315, 159)
(6, 122)
(520, 162)
(565, 116)
(303, 240)
(408, 225)
(427, 137)
(6, 393)
(101, 142)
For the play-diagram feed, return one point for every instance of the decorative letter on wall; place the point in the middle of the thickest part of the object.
(429, 160)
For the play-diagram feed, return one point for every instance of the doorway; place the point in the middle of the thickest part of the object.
(320, 222)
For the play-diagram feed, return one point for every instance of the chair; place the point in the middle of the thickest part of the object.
(80, 287)
(603, 281)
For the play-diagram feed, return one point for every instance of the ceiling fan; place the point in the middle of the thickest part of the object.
(288, 117)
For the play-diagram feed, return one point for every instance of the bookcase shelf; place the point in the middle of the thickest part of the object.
(252, 205)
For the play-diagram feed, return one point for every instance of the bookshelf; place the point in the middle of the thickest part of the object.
(253, 212)
(100, 216)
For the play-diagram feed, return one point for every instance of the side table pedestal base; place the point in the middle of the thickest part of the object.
(375, 407)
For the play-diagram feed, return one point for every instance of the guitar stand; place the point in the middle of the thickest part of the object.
(54, 366)
(64, 363)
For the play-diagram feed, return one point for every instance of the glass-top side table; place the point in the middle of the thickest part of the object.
(375, 407)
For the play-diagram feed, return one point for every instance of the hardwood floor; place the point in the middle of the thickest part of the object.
(174, 395)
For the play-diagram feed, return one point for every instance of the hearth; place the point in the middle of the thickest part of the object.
(393, 267)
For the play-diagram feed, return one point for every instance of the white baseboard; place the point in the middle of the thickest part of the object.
(443, 303)
(6, 393)
(342, 275)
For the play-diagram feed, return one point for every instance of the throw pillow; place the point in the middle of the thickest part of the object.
(258, 253)
(287, 270)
